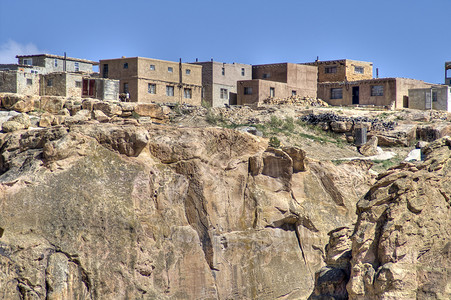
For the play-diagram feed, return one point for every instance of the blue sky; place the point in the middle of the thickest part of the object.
(402, 38)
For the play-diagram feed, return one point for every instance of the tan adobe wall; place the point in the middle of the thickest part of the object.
(261, 91)
(417, 98)
(213, 81)
(387, 99)
(345, 70)
(251, 99)
(139, 74)
(303, 78)
(276, 72)
(161, 71)
(161, 97)
(353, 76)
(116, 68)
(402, 89)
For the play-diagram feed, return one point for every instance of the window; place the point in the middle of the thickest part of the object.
(434, 96)
(105, 71)
(56, 62)
(188, 71)
(170, 69)
(78, 84)
(187, 93)
(152, 67)
(29, 81)
(125, 65)
(77, 67)
(248, 91)
(170, 91)
(34, 72)
(243, 72)
(223, 71)
(377, 90)
(330, 70)
(151, 88)
(224, 94)
(267, 75)
(50, 82)
(28, 61)
(272, 92)
(126, 88)
(359, 70)
(336, 93)
(293, 93)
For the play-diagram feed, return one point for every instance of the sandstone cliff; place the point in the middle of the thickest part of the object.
(121, 211)
(400, 247)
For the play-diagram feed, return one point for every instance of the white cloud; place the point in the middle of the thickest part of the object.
(10, 49)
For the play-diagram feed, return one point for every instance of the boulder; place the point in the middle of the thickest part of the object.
(108, 108)
(100, 116)
(370, 148)
(340, 126)
(46, 120)
(152, 110)
(17, 102)
(433, 132)
(52, 104)
(23, 119)
(10, 126)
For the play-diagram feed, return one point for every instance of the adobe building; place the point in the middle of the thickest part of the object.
(388, 92)
(20, 82)
(219, 81)
(149, 80)
(342, 70)
(278, 80)
(49, 63)
(436, 97)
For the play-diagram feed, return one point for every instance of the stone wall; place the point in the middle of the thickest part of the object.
(8, 82)
(28, 83)
(48, 64)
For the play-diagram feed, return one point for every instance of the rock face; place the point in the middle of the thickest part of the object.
(109, 211)
(401, 245)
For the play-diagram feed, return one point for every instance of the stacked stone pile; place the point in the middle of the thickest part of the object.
(295, 100)
(329, 118)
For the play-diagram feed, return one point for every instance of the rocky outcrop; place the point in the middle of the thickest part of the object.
(401, 242)
(108, 211)
(400, 247)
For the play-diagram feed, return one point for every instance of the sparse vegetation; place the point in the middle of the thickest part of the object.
(274, 142)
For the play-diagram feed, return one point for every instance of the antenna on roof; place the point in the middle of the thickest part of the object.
(317, 59)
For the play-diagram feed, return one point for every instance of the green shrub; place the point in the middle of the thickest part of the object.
(274, 142)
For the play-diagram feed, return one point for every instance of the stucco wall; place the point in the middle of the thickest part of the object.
(213, 80)
(345, 70)
(402, 89)
(417, 98)
(139, 74)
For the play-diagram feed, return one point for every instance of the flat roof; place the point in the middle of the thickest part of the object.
(370, 81)
(59, 57)
(150, 59)
(336, 61)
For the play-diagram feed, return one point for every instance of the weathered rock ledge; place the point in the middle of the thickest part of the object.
(126, 211)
